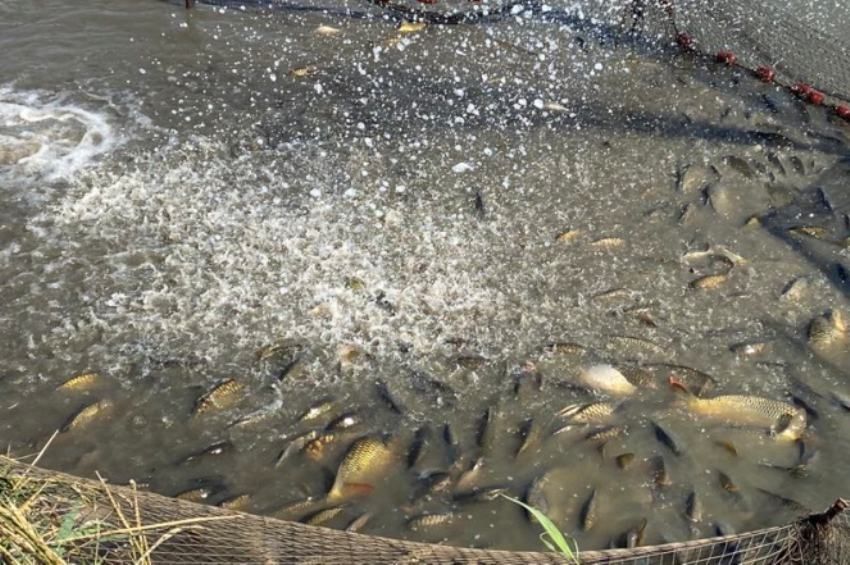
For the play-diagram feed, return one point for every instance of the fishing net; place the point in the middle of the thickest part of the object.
(799, 41)
(44, 513)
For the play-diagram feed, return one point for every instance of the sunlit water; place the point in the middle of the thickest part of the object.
(175, 200)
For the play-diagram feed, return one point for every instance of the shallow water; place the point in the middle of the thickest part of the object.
(175, 201)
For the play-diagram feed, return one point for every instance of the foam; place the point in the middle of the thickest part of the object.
(48, 137)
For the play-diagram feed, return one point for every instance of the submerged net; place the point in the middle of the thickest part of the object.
(801, 41)
(84, 521)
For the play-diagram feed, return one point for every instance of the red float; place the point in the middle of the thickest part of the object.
(726, 57)
(815, 97)
(766, 74)
(801, 89)
(686, 42)
(843, 111)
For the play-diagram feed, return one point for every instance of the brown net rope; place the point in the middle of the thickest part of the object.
(84, 521)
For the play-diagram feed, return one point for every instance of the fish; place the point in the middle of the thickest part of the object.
(751, 349)
(635, 346)
(296, 445)
(686, 214)
(698, 382)
(195, 495)
(535, 495)
(714, 252)
(348, 355)
(411, 27)
(784, 421)
(608, 243)
(625, 460)
(480, 210)
(710, 282)
(613, 295)
(606, 378)
(667, 439)
(843, 400)
(589, 511)
(203, 490)
(81, 381)
(327, 30)
(217, 448)
(483, 426)
(827, 330)
(354, 283)
(470, 361)
(638, 376)
(693, 507)
(728, 446)
(815, 232)
(601, 436)
(588, 413)
(344, 422)
(787, 503)
(741, 166)
(634, 537)
(658, 470)
(366, 462)
(726, 482)
(387, 397)
(693, 179)
(527, 380)
(87, 414)
(316, 449)
(303, 72)
(566, 348)
(429, 521)
(481, 495)
(469, 479)
(323, 516)
(239, 503)
(531, 434)
(568, 236)
(299, 509)
(286, 350)
(452, 444)
(359, 523)
(431, 482)
(439, 391)
(318, 410)
(421, 440)
(223, 394)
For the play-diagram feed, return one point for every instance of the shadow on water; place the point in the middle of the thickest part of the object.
(824, 206)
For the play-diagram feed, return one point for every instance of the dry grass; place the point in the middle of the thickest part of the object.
(45, 521)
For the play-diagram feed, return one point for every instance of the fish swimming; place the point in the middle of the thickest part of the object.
(784, 421)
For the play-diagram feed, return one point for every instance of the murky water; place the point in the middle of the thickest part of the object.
(177, 201)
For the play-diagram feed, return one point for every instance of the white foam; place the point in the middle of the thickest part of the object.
(49, 138)
(217, 256)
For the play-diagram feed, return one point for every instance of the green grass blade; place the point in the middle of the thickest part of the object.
(551, 537)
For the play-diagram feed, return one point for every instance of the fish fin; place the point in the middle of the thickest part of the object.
(358, 489)
(678, 386)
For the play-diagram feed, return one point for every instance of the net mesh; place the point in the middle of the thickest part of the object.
(771, 33)
(87, 521)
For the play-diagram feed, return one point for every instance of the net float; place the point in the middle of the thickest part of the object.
(686, 42)
(726, 57)
(801, 89)
(765, 74)
(815, 97)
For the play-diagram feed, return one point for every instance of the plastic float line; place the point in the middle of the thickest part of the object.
(766, 74)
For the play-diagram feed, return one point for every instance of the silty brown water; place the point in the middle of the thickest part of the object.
(394, 236)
